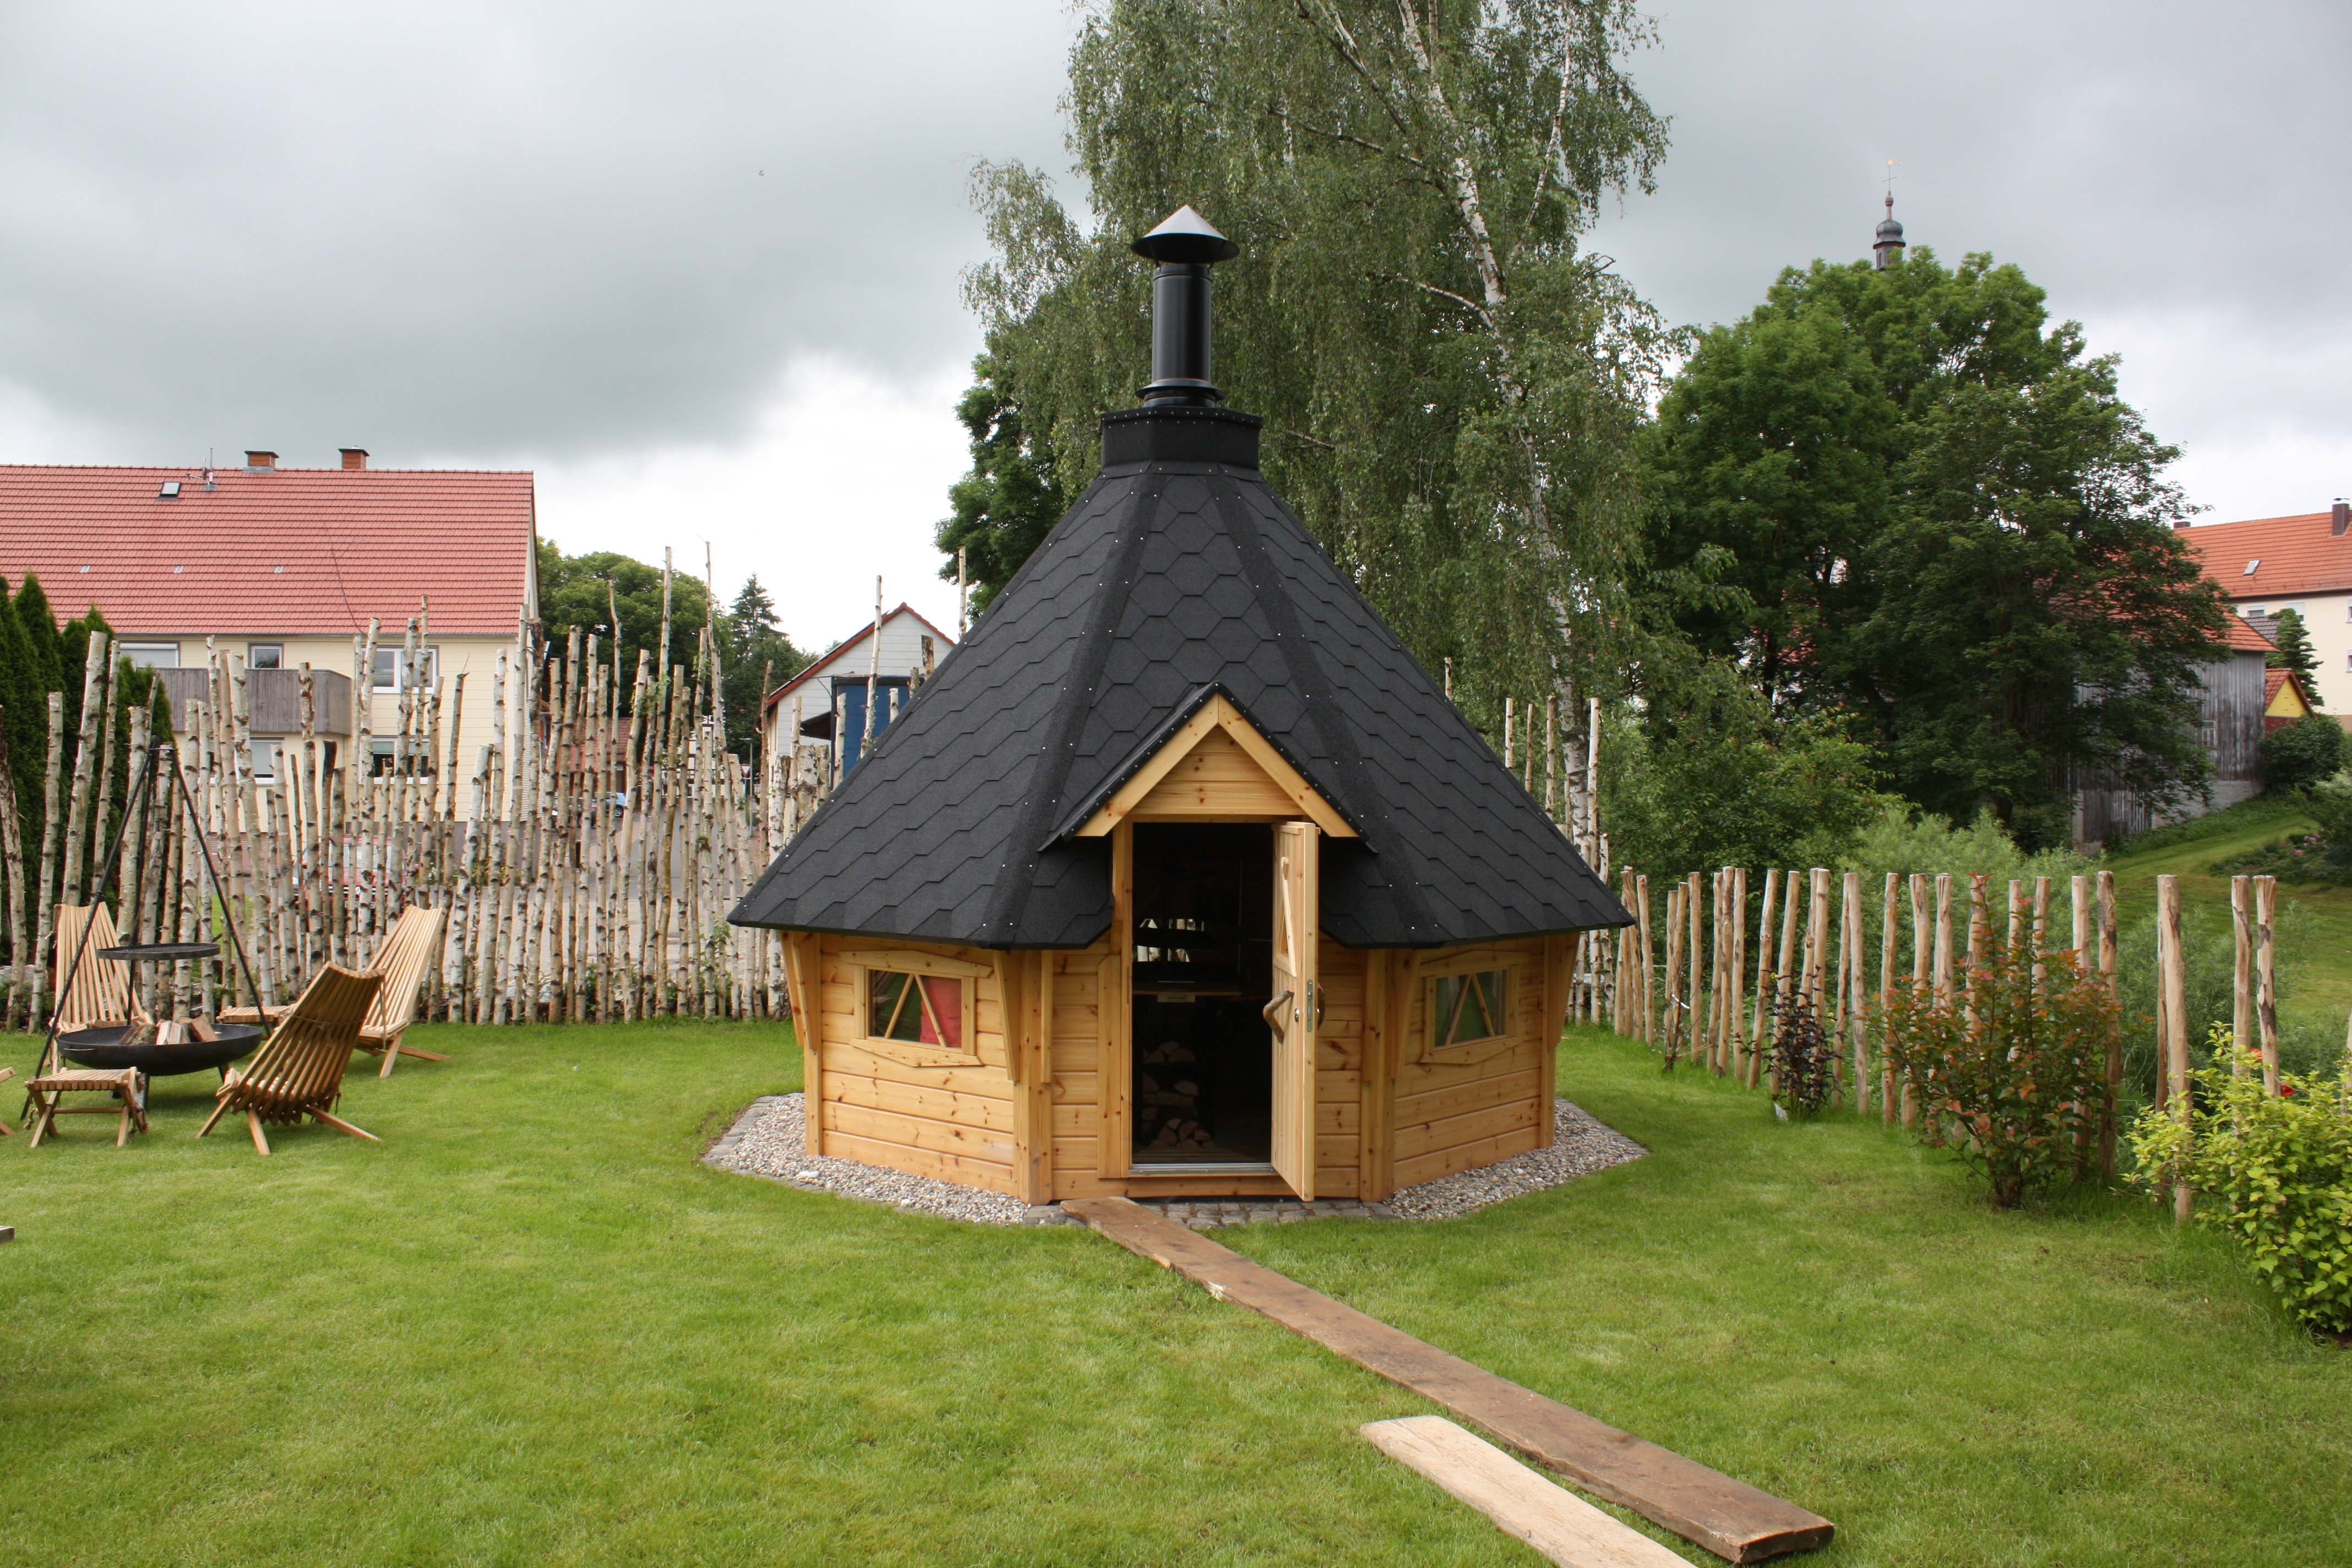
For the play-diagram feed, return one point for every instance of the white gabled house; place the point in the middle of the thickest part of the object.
(826, 703)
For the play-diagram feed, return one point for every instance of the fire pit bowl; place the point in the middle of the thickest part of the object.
(102, 1047)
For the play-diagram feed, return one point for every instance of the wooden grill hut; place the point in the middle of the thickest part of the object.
(1181, 877)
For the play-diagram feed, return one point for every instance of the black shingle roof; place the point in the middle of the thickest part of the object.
(1177, 575)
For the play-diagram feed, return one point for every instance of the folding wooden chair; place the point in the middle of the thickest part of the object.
(299, 1072)
(100, 994)
(402, 959)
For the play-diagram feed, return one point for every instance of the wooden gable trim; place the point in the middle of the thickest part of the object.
(1217, 716)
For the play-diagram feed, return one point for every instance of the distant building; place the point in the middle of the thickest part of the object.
(2231, 723)
(2283, 699)
(2304, 563)
(826, 701)
(284, 567)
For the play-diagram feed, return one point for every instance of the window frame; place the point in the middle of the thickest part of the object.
(133, 650)
(277, 651)
(863, 963)
(276, 753)
(1471, 961)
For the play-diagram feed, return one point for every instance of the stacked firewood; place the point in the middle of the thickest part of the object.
(1168, 1116)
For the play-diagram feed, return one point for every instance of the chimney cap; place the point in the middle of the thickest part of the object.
(1184, 236)
(353, 457)
(261, 459)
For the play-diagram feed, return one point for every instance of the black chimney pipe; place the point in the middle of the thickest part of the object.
(1185, 245)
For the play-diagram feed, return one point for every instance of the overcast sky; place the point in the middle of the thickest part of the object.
(696, 265)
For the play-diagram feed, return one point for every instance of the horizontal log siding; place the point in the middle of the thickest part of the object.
(953, 1123)
(1458, 1116)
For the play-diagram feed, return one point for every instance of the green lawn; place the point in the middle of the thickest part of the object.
(529, 1328)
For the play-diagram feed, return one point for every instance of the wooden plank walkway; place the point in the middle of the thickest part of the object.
(1729, 1518)
(1522, 1502)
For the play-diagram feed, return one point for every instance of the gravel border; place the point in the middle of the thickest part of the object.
(767, 1141)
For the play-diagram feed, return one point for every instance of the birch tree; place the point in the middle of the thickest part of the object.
(1452, 382)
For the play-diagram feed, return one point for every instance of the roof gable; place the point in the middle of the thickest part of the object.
(1176, 578)
(1213, 760)
(845, 657)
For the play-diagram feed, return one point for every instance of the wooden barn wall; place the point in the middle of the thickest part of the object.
(2228, 727)
(955, 1123)
(1454, 1116)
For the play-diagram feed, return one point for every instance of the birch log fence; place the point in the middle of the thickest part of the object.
(1648, 984)
(587, 860)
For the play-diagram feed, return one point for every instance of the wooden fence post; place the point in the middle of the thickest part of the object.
(1739, 966)
(2172, 972)
(1694, 914)
(1858, 1012)
(2242, 997)
(1649, 963)
(2266, 977)
(1767, 977)
(1885, 1000)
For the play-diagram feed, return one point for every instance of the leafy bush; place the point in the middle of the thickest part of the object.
(1804, 1058)
(1902, 840)
(2304, 857)
(2298, 755)
(2009, 1074)
(2274, 1172)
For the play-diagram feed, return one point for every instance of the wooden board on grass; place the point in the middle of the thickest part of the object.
(1521, 1502)
(1729, 1518)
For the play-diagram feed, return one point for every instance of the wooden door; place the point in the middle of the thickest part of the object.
(1297, 1002)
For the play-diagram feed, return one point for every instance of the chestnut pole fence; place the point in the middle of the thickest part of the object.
(587, 858)
(1647, 985)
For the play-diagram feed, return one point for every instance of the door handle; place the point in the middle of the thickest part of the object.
(1316, 992)
(1271, 1008)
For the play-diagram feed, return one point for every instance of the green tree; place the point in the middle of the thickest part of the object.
(2304, 753)
(47, 643)
(1917, 502)
(583, 591)
(1451, 384)
(1719, 782)
(755, 652)
(1011, 499)
(2294, 652)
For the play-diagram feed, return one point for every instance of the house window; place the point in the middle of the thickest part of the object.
(1468, 1008)
(381, 757)
(919, 1009)
(426, 670)
(264, 655)
(265, 759)
(151, 655)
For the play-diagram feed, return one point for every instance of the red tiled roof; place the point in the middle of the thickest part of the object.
(2245, 639)
(2297, 555)
(289, 552)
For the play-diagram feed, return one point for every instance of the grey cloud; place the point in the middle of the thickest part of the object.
(490, 228)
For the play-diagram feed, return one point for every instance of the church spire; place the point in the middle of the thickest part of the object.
(1889, 247)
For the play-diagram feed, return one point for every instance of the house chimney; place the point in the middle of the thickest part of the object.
(354, 458)
(2339, 517)
(1185, 247)
(255, 460)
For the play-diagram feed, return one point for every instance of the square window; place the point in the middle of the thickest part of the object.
(265, 759)
(424, 672)
(383, 756)
(264, 655)
(151, 655)
(919, 1009)
(1466, 1008)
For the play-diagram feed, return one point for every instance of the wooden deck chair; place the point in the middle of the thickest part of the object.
(401, 958)
(100, 994)
(299, 1072)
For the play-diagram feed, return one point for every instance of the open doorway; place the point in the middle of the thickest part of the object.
(1204, 1063)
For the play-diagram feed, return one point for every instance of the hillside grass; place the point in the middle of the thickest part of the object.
(529, 1327)
(2322, 954)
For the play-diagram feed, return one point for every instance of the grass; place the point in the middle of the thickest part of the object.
(2321, 958)
(529, 1328)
